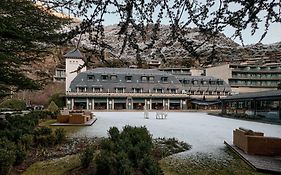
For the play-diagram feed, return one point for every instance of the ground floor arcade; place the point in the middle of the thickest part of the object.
(113, 101)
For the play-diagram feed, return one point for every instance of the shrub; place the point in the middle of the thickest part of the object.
(113, 133)
(14, 104)
(20, 155)
(105, 162)
(40, 114)
(60, 135)
(87, 156)
(149, 166)
(27, 140)
(124, 166)
(7, 158)
(53, 108)
(45, 140)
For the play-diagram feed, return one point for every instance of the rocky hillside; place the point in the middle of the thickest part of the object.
(169, 53)
(172, 54)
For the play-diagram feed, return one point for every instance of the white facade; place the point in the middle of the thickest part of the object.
(73, 61)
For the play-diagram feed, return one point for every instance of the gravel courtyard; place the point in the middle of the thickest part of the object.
(204, 132)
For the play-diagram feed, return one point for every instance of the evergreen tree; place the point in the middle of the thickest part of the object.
(26, 32)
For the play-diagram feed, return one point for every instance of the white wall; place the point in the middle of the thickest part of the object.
(72, 64)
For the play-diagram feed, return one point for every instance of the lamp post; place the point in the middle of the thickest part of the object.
(110, 104)
(183, 104)
(90, 106)
(68, 104)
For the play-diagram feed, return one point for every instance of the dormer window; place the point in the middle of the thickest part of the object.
(164, 79)
(91, 77)
(151, 79)
(143, 78)
(128, 78)
(113, 77)
(195, 82)
(104, 77)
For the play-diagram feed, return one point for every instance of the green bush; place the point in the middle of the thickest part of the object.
(105, 162)
(27, 140)
(45, 140)
(124, 166)
(113, 133)
(126, 152)
(42, 131)
(60, 135)
(149, 166)
(7, 158)
(53, 108)
(40, 114)
(20, 155)
(14, 104)
(87, 156)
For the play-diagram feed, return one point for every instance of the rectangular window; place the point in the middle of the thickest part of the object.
(97, 89)
(195, 82)
(151, 79)
(119, 90)
(137, 90)
(164, 79)
(143, 78)
(104, 77)
(91, 77)
(173, 91)
(159, 90)
(113, 77)
(128, 78)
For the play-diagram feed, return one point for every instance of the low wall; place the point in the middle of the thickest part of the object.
(77, 119)
(255, 143)
(63, 118)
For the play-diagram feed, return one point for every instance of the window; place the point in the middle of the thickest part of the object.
(173, 91)
(137, 90)
(128, 78)
(91, 77)
(104, 77)
(81, 89)
(164, 79)
(143, 78)
(113, 77)
(212, 82)
(97, 89)
(159, 90)
(151, 79)
(220, 82)
(119, 90)
(204, 82)
(194, 82)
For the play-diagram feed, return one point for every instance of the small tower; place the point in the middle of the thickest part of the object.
(73, 59)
